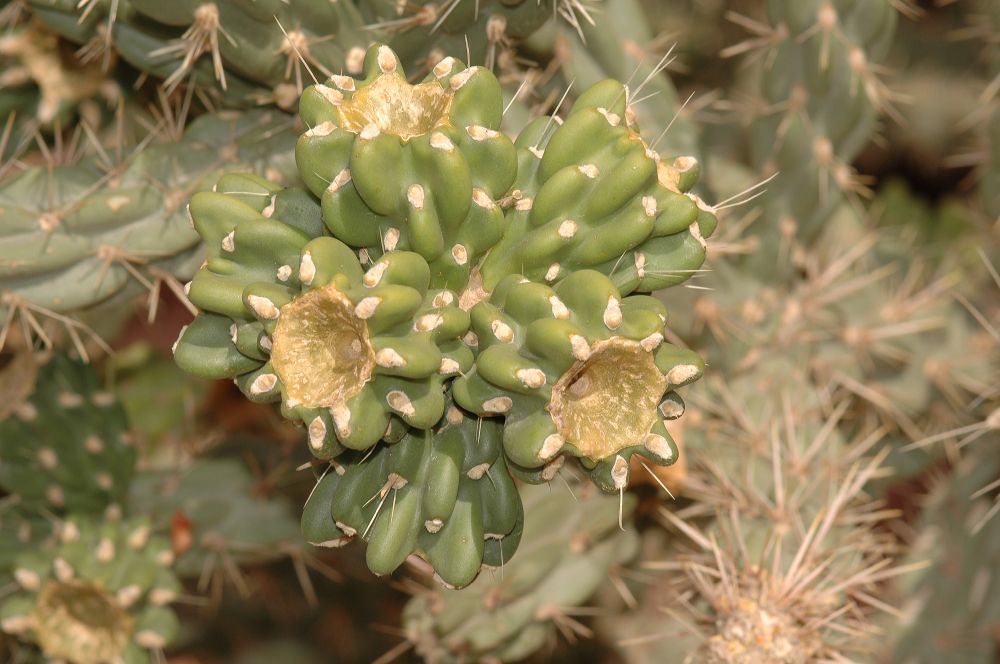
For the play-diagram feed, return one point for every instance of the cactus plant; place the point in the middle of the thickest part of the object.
(76, 235)
(445, 494)
(276, 291)
(99, 595)
(410, 167)
(591, 194)
(576, 369)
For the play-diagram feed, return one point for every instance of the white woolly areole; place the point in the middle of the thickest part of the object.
(390, 239)
(682, 373)
(462, 77)
(269, 210)
(502, 331)
(415, 195)
(460, 254)
(524, 204)
(532, 378)
(366, 307)
(428, 322)
(441, 142)
(444, 67)
(640, 264)
(149, 640)
(389, 358)
(27, 579)
(48, 458)
(482, 199)
(343, 82)
(374, 275)
(649, 206)
(613, 314)
(695, 231)
(551, 446)
(355, 60)
(553, 272)
(551, 469)
(317, 433)
(161, 596)
(658, 445)
(671, 409)
(567, 229)
(331, 96)
(93, 444)
(433, 525)
(229, 242)
(613, 118)
(470, 339)
(105, 551)
(559, 309)
(63, 570)
(128, 595)
(339, 180)
(320, 130)
(443, 299)
(454, 416)
(342, 420)
(448, 366)
(138, 538)
(477, 472)
(263, 307)
(386, 60)
(498, 405)
(590, 170)
(581, 349)
(370, 131)
(536, 151)
(481, 133)
(284, 272)
(619, 472)
(263, 383)
(652, 342)
(399, 402)
(307, 269)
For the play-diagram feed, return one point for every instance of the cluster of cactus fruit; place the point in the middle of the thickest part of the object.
(447, 306)
(450, 274)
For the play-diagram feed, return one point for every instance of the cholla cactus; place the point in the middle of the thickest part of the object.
(100, 595)
(275, 295)
(576, 369)
(410, 167)
(444, 494)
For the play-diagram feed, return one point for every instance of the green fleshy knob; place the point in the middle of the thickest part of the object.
(294, 318)
(576, 369)
(410, 167)
(100, 595)
(592, 194)
(445, 495)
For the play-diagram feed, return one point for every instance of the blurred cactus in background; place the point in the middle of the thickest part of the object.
(499, 331)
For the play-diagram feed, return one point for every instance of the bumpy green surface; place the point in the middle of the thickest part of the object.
(576, 369)
(249, 48)
(67, 447)
(570, 543)
(824, 96)
(100, 595)
(237, 523)
(73, 236)
(414, 168)
(444, 494)
(292, 316)
(591, 194)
